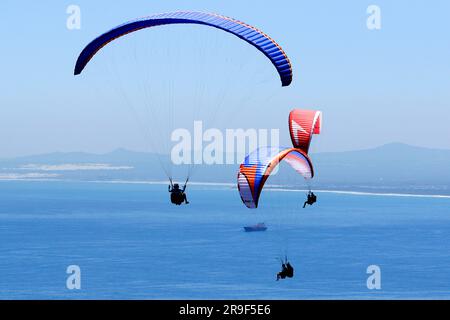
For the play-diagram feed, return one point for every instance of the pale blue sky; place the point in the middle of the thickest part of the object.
(374, 87)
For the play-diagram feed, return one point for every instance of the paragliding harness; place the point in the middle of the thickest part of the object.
(177, 195)
(311, 199)
(286, 270)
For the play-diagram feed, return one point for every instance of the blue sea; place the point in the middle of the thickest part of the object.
(131, 243)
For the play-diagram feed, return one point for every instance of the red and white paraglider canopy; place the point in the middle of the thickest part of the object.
(302, 125)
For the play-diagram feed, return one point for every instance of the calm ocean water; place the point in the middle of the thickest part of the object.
(130, 243)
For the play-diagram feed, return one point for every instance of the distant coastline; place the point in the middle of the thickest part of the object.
(393, 169)
(231, 186)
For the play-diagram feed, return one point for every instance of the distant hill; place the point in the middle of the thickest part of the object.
(389, 164)
(392, 166)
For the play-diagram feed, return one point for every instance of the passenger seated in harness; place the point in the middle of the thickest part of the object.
(177, 195)
(286, 271)
(311, 199)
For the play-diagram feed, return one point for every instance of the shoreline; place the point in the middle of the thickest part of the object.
(270, 188)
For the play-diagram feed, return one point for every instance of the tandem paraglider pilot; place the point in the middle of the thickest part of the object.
(286, 271)
(311, 199)
(177, 195)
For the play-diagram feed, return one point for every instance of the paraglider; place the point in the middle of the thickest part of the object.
(243, 31)
(302, 125)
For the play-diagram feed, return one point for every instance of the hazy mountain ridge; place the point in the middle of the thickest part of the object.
(393, 165)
